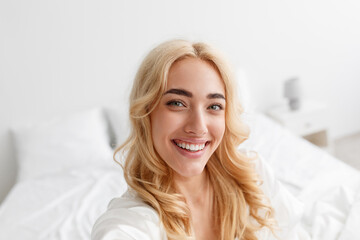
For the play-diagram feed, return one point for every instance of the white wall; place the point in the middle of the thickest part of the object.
(59, 57)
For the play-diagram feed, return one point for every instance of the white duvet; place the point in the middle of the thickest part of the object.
(61, 206)
(329, 189)
(66, 205)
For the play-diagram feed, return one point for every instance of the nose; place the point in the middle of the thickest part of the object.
(196, 123)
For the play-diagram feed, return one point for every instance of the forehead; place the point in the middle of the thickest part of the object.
(195, 75)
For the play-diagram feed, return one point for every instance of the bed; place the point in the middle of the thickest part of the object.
(66, 177)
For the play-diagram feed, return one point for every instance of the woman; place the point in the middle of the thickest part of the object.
(186, 177)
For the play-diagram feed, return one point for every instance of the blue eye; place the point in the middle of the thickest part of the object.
(216, 107)
(175, 104)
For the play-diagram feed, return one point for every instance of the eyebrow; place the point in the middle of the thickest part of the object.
(215, 95)
(189, 94)
(179, 92)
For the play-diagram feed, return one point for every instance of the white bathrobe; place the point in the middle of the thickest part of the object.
(129, 218)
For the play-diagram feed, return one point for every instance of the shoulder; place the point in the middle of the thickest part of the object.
(128, 217)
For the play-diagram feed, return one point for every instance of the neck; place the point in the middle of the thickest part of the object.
(195, 189)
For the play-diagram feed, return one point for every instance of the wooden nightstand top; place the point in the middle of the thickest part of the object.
(283, 113)
(312, 117)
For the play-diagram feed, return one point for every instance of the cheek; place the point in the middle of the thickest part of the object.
(156, 127)
(218, 129)
(163, 124)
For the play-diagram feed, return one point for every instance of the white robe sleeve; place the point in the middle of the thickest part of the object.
(128, 219)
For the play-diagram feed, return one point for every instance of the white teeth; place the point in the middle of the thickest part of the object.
(191, 147)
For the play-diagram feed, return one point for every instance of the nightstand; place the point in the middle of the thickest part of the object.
(310, 121)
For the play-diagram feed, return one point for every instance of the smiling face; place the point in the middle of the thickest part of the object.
(189, 122)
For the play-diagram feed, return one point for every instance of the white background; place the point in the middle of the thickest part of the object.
(61, 56)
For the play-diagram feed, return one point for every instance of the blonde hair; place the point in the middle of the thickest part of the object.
(240, 208)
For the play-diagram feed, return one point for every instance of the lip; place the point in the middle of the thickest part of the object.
(189, 154)
(192, 140)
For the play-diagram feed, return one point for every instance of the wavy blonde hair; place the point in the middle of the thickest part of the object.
(240, 207)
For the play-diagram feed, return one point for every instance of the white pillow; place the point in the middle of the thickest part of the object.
(119, 124)
(78, 140)
(244, 92)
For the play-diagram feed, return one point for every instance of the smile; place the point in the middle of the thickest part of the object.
(191, 147)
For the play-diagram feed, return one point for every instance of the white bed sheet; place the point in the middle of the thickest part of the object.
(65, 206)
(329, 189)
(60, 206)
